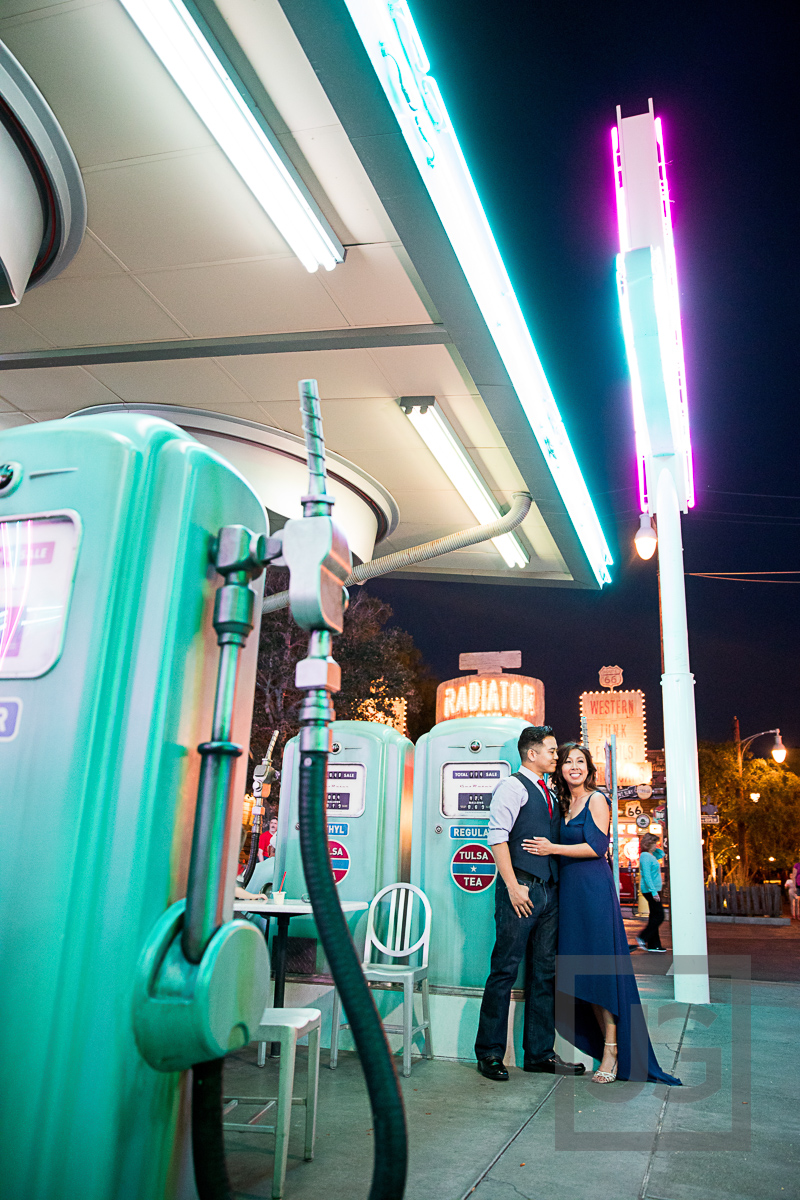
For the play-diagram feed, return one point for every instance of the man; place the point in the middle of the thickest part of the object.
(525, 913)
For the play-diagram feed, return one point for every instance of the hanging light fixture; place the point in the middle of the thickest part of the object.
(646, 539)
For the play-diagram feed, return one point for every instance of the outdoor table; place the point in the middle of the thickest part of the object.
(284, 913)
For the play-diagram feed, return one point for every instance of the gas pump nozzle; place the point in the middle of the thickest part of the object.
(263, 776)
(201, 978)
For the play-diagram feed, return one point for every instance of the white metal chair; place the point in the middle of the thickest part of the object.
(405, 903)
(284, 1025)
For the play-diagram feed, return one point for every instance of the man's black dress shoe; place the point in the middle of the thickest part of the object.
(555, 1066)
(493, 1068)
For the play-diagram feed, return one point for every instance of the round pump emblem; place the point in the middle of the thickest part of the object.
(473, 868)
(340, 860)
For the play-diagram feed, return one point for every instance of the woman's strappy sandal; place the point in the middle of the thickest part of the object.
(606, 1076)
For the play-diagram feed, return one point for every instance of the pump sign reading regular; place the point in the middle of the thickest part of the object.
(467, 787)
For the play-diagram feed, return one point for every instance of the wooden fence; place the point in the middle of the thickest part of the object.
(761, 900)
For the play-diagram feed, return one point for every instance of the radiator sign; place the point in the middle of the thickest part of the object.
(340, 860)
(473, 868)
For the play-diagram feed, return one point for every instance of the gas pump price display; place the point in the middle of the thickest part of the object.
(37, 564)
(346, 789)
(467, 788)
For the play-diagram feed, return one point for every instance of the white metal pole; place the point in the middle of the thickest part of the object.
(687, 896)
(615, 809)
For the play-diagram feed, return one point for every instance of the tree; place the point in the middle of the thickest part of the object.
(755, 831)
(378, 663)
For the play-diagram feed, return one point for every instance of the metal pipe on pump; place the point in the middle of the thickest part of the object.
(319, 563)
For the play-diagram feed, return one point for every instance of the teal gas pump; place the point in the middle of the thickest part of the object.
(368, 809)
(131, 570)
(457, 766)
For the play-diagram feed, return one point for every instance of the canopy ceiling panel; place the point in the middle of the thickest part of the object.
(181, 259)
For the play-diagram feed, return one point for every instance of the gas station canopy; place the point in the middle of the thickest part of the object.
(192, 291)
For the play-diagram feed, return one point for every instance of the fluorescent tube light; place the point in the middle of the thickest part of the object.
(189, 57)
(392, 42)
(438, 435)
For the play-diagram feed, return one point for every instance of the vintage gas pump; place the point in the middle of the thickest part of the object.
(368, 806)
(457, 766)
(131, 569)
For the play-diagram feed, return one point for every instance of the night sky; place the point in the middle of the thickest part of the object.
(532, 90)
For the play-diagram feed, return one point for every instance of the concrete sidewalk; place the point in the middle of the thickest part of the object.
(730, 1133)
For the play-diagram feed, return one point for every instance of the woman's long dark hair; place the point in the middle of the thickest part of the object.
(562, 787)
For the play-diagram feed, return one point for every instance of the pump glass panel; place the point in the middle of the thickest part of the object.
(346, 789)
(37, 565)
(467, 787)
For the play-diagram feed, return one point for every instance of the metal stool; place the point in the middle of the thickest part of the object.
(284, 1025)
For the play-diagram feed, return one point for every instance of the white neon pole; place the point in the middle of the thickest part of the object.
(650, 312)
(686, 887)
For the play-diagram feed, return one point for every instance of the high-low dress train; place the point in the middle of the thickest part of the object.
(591, 925)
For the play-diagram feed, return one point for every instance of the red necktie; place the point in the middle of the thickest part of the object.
(547, 797)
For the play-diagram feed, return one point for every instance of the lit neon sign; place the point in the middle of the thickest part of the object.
(391, 39)
(647, 283)
(485, 696)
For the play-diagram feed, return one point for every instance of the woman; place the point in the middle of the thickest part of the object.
(650, 875)
(600, 1014)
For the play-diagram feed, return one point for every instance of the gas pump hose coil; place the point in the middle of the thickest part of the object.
(317, 605)
(517, 513)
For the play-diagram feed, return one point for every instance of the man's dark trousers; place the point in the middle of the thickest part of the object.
(538, 935)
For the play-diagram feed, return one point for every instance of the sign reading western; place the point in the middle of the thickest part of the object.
(473, 868)
(621, 713)
(490, 693)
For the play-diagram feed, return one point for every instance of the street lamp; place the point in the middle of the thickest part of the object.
(778, 748)
(646, 539)
(647, 283)
(778, 753)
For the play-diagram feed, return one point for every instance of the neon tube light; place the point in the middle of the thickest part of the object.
(190, 59)
(438, 435)
(674, 304)
(393, 44)
(639, 176)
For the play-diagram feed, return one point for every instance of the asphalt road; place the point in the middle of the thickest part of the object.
(774, 950)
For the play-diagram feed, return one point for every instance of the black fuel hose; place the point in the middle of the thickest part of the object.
(388, 1115)
(208, 1145)
(255, 834)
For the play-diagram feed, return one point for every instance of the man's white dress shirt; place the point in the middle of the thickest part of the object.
(507, 799)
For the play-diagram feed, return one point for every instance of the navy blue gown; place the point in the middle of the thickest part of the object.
(590, 923)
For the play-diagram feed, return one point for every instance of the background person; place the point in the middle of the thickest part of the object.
(791, 891)
(601, 1013)
(652, 883)
(266, 842)
(525, 913)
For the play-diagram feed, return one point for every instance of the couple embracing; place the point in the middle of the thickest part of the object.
(555, 893)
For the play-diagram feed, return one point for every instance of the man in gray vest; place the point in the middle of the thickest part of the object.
(525, 913)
